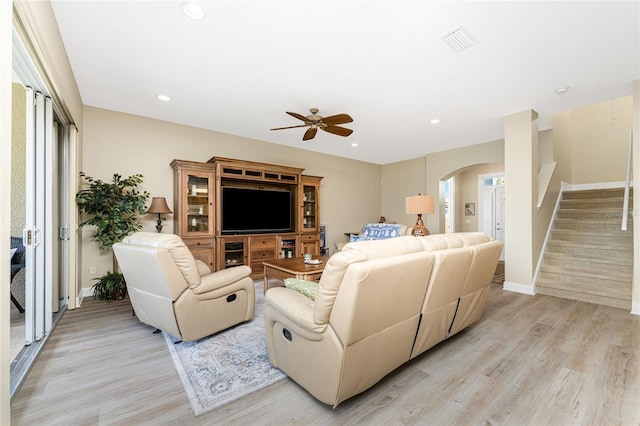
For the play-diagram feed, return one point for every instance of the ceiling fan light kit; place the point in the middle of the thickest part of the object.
(314, 121)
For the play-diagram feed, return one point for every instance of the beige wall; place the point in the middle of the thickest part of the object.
(594, 138)
(401, 180)
(442, 165)
(127, 144)
(18, 160)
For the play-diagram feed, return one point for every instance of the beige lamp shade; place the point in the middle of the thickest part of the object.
(419, 204)
(159, 205)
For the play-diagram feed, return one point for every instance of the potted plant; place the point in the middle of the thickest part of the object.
(114, 208)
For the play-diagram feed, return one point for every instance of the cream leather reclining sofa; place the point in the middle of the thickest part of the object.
(174, 292)
(378, 305)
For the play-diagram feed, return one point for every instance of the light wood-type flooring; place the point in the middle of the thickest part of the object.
(531, 360)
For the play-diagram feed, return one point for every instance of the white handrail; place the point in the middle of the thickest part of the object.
(625, 205)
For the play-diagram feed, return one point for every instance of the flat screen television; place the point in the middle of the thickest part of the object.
(255, 211)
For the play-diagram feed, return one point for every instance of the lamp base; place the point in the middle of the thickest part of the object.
(419, 230)
(159, 225)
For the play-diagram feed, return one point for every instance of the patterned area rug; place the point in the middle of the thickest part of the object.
(226, 366)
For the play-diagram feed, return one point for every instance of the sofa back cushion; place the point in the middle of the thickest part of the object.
(379, 294)
(180, 253)
(337, 265)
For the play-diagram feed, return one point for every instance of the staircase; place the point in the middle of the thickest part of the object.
(588, 257)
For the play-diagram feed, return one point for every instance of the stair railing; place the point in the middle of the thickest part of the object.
(625, 205)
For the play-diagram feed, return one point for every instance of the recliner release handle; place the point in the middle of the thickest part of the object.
(287, 334)
(231, 298)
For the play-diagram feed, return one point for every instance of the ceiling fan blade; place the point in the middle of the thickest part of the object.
(298, 116)
(290, 127)
(337, 130)
(310, 134)
(332, 120)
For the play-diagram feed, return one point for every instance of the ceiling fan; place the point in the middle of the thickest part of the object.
(315, 121)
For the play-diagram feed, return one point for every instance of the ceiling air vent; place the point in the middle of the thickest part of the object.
(459, 39)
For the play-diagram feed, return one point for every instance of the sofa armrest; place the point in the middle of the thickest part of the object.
(219, 279)
(294, 307)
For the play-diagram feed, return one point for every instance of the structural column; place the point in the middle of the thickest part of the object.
(521, 194)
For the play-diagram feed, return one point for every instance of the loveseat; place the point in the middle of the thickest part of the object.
(173, 292)
(378, 304)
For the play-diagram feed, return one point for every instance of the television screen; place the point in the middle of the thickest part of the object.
(255, 211)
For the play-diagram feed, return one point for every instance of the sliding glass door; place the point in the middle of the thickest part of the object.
(40, 217)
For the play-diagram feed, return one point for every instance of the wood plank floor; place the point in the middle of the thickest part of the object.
(531, 360)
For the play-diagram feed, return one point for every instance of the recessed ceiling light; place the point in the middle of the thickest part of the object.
(164, 98)
(434, 121)
(561, 90)
(193, 10)
(354, 144)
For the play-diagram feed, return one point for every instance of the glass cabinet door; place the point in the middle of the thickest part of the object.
(199, 202)
(309, 208)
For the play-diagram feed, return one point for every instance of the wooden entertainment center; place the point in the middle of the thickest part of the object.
(198, 212)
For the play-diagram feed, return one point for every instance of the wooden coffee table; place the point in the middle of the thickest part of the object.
(291, 268)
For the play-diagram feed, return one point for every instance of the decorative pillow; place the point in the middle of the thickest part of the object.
(381, 231)
(307, 288)
(13, 251)
(354, 237)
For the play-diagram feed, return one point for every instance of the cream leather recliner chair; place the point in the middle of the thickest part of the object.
(174, 292)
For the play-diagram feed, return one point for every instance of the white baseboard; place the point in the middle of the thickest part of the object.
(601, 185)
(635, 308)
(85, 292)
(519, 288)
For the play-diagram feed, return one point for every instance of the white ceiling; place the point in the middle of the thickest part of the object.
(382, 62)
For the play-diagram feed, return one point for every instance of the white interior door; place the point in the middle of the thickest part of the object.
(491, 205)
(498, 222)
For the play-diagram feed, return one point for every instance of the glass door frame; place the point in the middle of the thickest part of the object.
(48, 157)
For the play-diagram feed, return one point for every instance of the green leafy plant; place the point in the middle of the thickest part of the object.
(110, 286)
(114, 208)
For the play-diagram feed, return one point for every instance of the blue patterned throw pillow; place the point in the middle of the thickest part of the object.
(381, 231)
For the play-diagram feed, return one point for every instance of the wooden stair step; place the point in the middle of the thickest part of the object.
(624, 303)
(604, 225)
(596, 260)
(596, 193)
(578, 276)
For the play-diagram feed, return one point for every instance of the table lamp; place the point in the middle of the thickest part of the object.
(159, 206)
(419, 204)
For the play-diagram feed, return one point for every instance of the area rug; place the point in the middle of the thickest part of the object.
(226, 366)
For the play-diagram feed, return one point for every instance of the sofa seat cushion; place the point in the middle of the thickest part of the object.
(307, 288)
